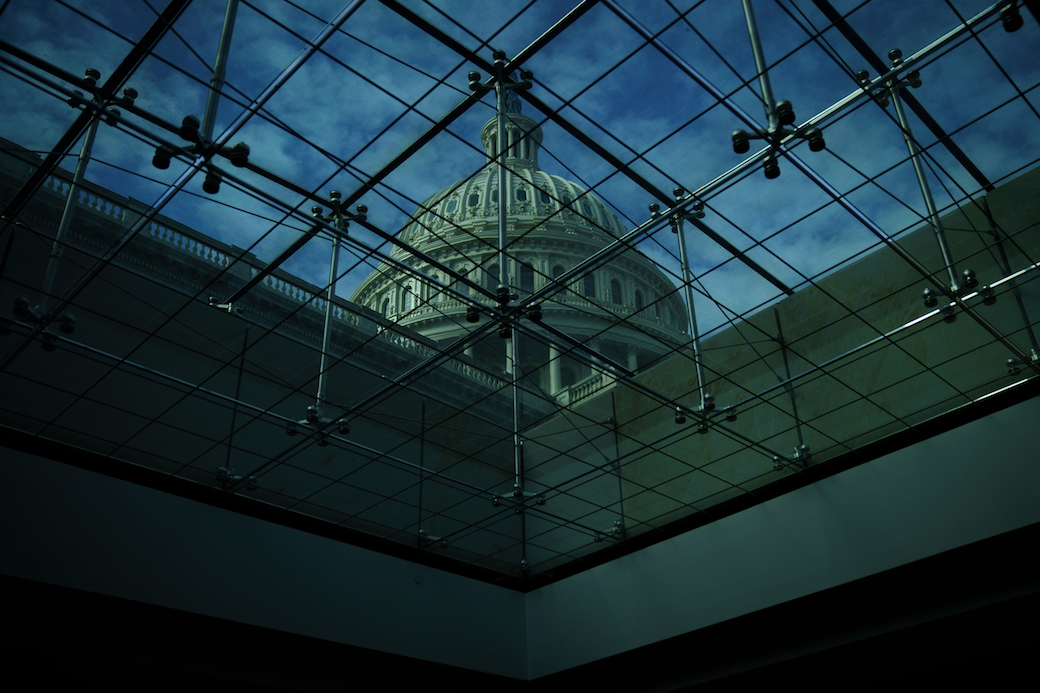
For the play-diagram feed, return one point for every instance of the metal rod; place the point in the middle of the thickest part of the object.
(760, 65)
(926, 191)
(788, 383)
(216, 82)
(66, 216)
(330, 298)
(691, 313)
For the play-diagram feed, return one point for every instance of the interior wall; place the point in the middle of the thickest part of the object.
(66, 526)
(962, 486)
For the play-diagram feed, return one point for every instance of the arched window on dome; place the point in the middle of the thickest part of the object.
(407, 298)
(526, 278)
(615, 291)
(588, 286)
(521, 195)
(453, 205)
(639, 300)
(544, 197)
(386, 308)
(557, 272)
(474, 200)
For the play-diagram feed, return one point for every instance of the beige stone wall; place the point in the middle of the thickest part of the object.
(919, 372)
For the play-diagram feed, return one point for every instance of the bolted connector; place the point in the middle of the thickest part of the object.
(881, 97)
(815, 138)
(698, 210)
(290, 430)
(76, 100)
(129, 95)
(495, 502)
(785, 113)
(1013, 367)
(680, 417)
(212, 182)
(316, 211)
(731, 414)
(772, 167)
(741, 142)
(499, 57)
(913, 78)
(1011, 18)
(91, 76)
(472, 314)
(343, 428)
(970, 280)
(111, 116)
(678, 192)
(930, 301)
(655, 210)
(989, 297)
(949, 312)
(505, 332)
(863, 78)
(362, 212)
(525, 78)
(502, 294)
(312, 414)
(474, 82)
(896, 56)
(323, 442)
(161, 159)
(240, 155)
(189, 129)
(534, 312)
(67, 323)
(702, 429)
(708, 402)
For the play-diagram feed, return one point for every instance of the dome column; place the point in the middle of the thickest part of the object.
(555, 378)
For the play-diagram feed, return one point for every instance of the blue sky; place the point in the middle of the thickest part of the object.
(382, 82)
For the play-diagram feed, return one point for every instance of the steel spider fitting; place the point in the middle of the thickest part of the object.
(315, 415)
(779, 114)
(200, 133)
(103, 112)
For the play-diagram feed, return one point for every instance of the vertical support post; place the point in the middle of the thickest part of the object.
(503, 292)
(800, 451)
(926, 192)
(326, 338)
(216, 82)
(760, 66)
(66, 215)
(617, 455)
(691, 313)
